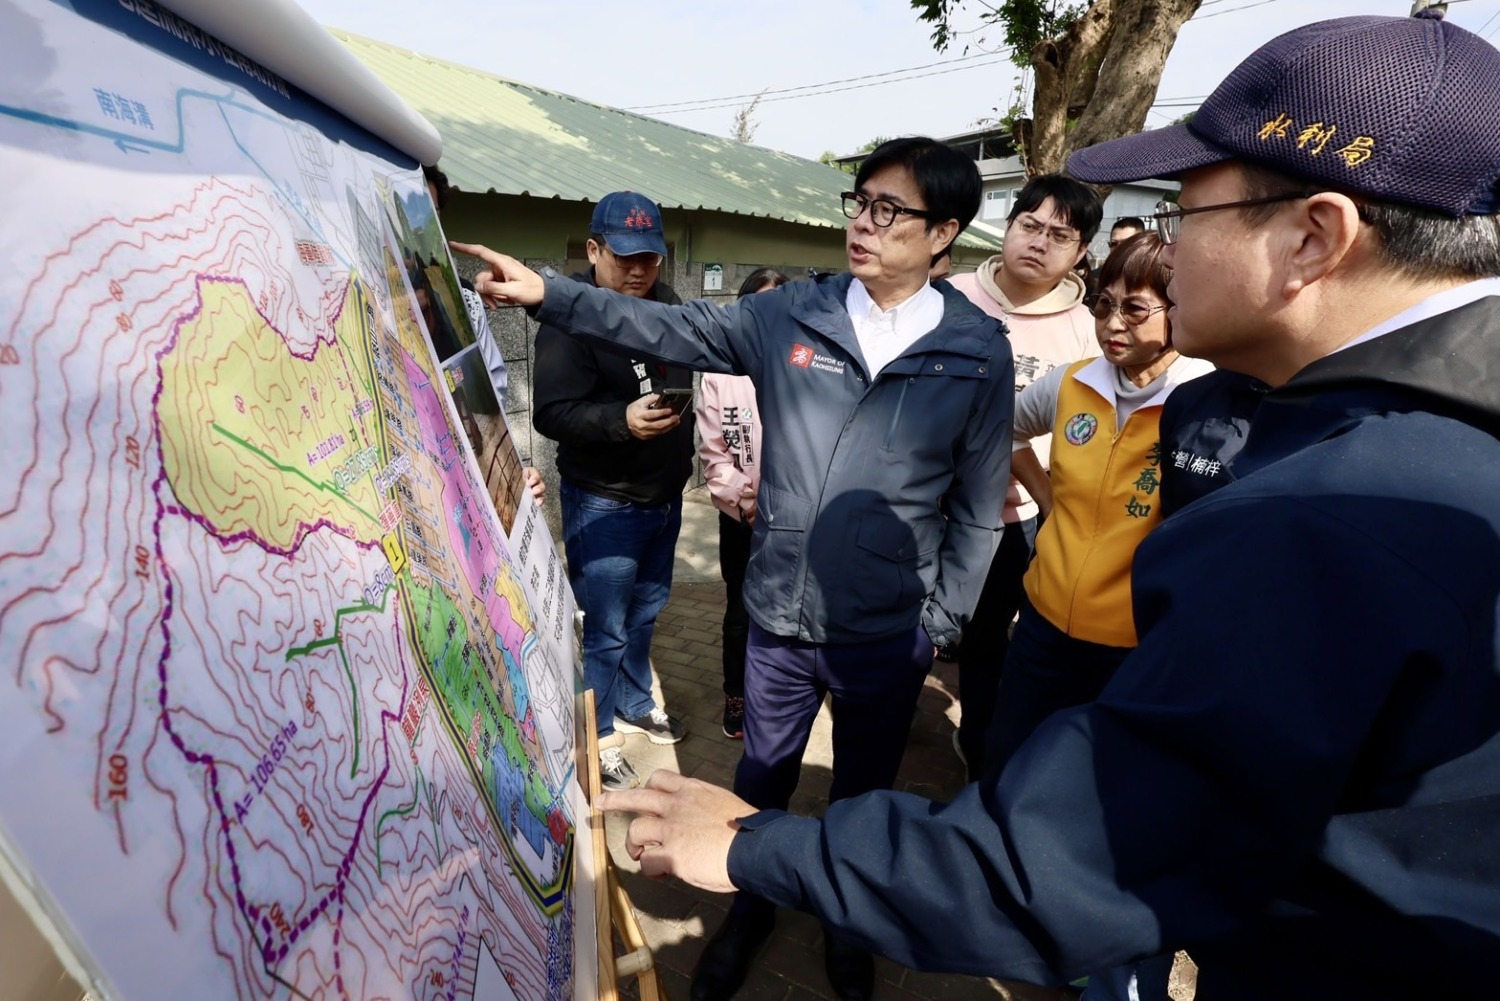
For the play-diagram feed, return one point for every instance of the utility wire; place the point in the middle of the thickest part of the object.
(811, 86)
(877, 79)
(817, 93)
(1204, 17)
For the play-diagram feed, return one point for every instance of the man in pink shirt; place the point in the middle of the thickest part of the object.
(1030, 285)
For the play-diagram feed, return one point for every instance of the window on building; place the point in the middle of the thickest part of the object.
(996, 204)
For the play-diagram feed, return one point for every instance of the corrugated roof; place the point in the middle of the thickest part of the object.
(513, 139)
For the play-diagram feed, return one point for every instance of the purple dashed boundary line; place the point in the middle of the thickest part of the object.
(269, 953)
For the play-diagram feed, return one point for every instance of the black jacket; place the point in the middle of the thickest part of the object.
(581, 388)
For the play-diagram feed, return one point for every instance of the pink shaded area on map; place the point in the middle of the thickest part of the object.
(469, 535)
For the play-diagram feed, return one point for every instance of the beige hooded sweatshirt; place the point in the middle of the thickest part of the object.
(1052, 331)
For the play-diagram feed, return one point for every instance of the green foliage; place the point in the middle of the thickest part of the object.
(829, 157)
(852, 168)
(1025, 23)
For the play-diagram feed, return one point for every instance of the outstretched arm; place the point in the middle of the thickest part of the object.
(504, 281)
(698, 335)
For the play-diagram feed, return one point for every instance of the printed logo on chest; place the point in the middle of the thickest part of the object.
(1080, 428)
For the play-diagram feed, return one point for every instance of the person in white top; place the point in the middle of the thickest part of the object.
(729, 445)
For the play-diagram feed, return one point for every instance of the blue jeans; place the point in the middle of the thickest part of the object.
(620, 565)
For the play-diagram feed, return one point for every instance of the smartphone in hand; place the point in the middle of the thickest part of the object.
(675, 399)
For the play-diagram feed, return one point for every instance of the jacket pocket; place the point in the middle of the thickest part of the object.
(781, 526)
(890, 433)
(888, 579)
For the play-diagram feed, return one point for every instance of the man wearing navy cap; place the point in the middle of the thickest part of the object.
(883, 469)
(1296, 775)
(623, 461)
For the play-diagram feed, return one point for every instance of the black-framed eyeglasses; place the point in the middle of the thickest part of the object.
(1168, 217)
(1056, 235)
(883, 212)
(1133, 311)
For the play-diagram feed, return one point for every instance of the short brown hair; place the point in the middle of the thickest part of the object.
(1136, 264)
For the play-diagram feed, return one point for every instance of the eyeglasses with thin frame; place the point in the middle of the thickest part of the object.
(883, 211)
(645, 259)
(1168, 217)
(1056, 235)
(1133, 311)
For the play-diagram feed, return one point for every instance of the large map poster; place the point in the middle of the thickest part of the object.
(280, 715)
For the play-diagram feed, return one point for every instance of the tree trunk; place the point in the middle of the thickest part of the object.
(1104, 71)
(1143, 35)
(1066, 68)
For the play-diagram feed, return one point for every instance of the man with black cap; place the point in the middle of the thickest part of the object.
(624, 460)
(1296, 775)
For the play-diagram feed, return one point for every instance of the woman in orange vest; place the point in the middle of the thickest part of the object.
(1099, 501)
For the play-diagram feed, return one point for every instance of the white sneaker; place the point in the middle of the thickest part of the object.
(615, 772)
(658, 727)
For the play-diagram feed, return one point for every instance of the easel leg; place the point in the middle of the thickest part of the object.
(612, 905)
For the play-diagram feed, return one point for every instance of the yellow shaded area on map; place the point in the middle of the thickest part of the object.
(507, 587)
(258, 440)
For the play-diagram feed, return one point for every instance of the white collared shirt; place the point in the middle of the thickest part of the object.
(1434, 305)
(884, 333)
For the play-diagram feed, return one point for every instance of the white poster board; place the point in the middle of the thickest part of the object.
(280, 716)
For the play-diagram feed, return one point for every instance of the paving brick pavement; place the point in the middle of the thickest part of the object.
(677, 919)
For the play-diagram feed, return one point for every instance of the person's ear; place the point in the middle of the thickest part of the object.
(1320, 232)
(593, 251)
(941, 235)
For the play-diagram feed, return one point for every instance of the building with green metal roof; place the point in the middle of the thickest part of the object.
(526, 166)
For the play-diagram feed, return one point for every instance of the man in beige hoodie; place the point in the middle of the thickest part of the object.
(1030, 285)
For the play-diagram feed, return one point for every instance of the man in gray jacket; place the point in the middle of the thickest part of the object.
(882, 395)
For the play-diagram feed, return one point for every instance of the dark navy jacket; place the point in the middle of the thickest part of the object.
(1296, 776)
(1204, 425)
(850, 544)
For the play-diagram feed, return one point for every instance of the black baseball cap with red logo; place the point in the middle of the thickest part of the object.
(1399, 109)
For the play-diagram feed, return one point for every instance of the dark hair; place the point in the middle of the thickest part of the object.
(758, 279)
(1420, 243)
(947, 179)
(1136, 264)
(1079, 205)
(1088, 274)
(439, 182)
(1131, 221)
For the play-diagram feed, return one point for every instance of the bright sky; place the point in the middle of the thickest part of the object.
(652, 52)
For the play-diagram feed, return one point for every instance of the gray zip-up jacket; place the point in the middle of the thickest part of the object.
(880, 497)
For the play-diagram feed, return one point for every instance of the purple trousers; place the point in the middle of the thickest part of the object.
(874, 686)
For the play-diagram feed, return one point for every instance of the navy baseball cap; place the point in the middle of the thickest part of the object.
(629, 223)
(1399, 109)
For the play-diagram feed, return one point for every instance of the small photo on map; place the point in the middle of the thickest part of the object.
(429, 268)
(489, 436)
